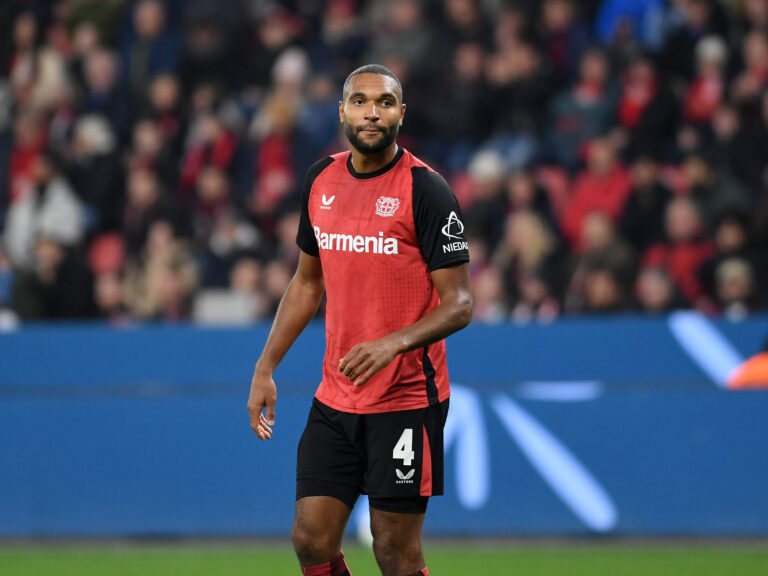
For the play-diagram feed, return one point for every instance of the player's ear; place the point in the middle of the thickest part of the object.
(341, 112)
(402, 113)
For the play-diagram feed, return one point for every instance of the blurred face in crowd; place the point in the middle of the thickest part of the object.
(654, 289)
(246, 276)
(100, 71)
(85, 39)
(755, 49)
(142, 188)
(602, 291)
(730, 235)
(644, 173)
(756, 12)
(372, 112)
(164, 92)
(682, 222)
(108, 292)
(594, 67)
(461, 12)
(44, 170)
(213, 186)
(468, 62)
(597, 232)
(601, 159)
(147, 138)
(734, 279)
(25, 31)
(521, 188)
(149, 19)
(557, 15)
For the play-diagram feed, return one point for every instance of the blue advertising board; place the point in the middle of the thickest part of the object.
(598, 426)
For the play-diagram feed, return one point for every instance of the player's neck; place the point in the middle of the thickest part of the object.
(364, 163)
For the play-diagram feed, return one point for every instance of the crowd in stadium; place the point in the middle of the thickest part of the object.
(609, 156)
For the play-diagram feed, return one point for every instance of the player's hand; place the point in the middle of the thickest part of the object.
(367, 358)
(263, 395)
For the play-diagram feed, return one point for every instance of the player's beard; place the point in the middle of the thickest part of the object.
(388, 136)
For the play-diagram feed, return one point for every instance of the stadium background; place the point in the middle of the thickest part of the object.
(609, 157)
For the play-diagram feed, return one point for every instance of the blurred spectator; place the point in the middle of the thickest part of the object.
(210, 143)
(30, 140)
(484, 209)
(488, 291)
(247, 278)
(700, 18)
(706, 92)
(150, 45)
(102, 15)
(584, 111)
(656, 293)
(603, 292)
(48, 208)
(604, 185)
(37, 72)
(528, 249)
(747, 87)
(647, 107)
(564, 36)
(521, 80)
(104, 92)
(733, 240)
(536, 300)
(523, 192)
(622, 22)
(161, 283)
(145, 204)
(685, 248)
(735, 288)
(642, 219)
(712, 191)
(57, 286)
(95, 172)
(601, 250)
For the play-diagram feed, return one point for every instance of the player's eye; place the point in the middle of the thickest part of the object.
(357, 101)
(387, 103)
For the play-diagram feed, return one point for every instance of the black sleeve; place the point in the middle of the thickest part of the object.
(305, 237)
(438, 220)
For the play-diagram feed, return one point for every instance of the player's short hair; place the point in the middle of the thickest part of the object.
(371, 69)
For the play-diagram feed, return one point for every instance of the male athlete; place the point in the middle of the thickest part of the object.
(381, 235)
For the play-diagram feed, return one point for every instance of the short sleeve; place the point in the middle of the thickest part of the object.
(305, 237)
(438, 221)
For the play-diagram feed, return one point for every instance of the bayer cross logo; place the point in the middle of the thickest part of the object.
(454, 227)
(386, 206)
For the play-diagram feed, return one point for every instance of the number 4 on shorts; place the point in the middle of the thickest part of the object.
(404, 448)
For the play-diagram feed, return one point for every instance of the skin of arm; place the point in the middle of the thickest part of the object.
(452, 314)
(297, 307)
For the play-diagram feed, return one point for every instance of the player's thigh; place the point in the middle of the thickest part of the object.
(329, 456)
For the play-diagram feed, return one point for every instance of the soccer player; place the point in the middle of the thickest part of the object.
(381, 235)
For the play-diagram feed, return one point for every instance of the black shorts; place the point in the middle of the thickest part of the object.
(394, 457)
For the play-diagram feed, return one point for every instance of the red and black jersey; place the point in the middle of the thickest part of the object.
(378, 236)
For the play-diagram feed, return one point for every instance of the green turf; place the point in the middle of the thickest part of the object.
(443, 560)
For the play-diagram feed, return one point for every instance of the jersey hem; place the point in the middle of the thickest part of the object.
(377, 410)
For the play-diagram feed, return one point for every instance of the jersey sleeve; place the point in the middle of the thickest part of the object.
(305, 237)
(438, 220)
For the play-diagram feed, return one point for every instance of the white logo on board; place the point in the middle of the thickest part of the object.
(386, 206)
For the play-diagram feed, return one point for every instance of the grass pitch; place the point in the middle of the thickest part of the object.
(442, 559)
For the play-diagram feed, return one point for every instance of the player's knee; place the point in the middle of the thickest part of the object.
(395, 555)
(312, 546)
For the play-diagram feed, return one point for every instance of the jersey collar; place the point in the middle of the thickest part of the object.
(379, 172)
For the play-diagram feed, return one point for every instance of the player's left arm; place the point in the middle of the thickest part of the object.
(452, 314)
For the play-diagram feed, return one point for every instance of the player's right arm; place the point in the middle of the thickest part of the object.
(298, 306)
